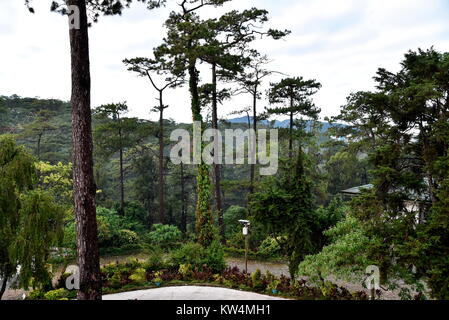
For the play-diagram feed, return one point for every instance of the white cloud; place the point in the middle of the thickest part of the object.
(341, 43)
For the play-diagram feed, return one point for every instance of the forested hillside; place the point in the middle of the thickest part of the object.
(44, 128)
(361, 197)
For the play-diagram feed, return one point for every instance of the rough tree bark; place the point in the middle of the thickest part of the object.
(253, 166)
(217, 167)
(290, 141)
(122, 176)
(83, 177)
(183, 203)
(204, 218)
(161, 160)
(39, 139)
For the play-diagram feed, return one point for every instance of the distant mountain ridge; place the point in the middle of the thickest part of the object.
(285, 123)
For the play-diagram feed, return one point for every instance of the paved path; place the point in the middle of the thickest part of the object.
(188, 293)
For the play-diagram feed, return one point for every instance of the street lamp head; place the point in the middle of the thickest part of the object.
(245, 222)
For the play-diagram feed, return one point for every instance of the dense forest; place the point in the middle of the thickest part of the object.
(368, 187)
(43, 127)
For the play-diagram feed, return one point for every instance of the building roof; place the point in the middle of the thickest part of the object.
(412, 196)
(357, 190)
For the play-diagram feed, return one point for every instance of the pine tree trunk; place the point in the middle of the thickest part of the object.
(39, 139)
(183, 203)
(161, 161)
(83, 176)
(290, 141)
(122, 176)
(204, 219)
(253, 166)
(217, 167)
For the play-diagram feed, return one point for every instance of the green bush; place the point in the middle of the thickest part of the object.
(185, 270)
(70, 236)
(236, 240)
(164, 236)
(190, 253)
(115, 280)
(104, 232)
(138, 276)
(257, 281)
(36, 295)
(59, 294)
(155, 260)
(197, 257)
(270, 248)
(215, 257)
(134, 211)
(125, 237)
(115, 230)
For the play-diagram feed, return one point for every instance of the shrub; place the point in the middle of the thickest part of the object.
(111, 225)
(234, 277)
(134, 211)
(164, 236)
(59, 294)
(215, 257)
(155, 260)
(190, 253)
(158, 278)
(36, 295)
(258, 283)
(125, 237)
(236, 240)
(273, 286)
(116, 280)
(138, 276)
(70, 236)
(270, 248)
(104, 232)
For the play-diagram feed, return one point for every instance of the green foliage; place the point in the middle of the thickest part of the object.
(270, 248)
(30, 219)
(138, 276)
(125, 237)
(36, 295)
(190, 253)
(59, 294)
(346, 257)
(133, 274)
(295, 94)
(198, 257)
(115, 230)
(284, 207)
(57, 179)
(214, 259)
(231, 219)
(204, 220)
(164, 236)
(403, 128)
(432, 244)
(135, 212)
(55, 144)
(257, 281)
(155, 260)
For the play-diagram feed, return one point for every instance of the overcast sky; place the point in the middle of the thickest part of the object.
(341, 43)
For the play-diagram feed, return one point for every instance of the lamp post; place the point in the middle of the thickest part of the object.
(246, 225)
